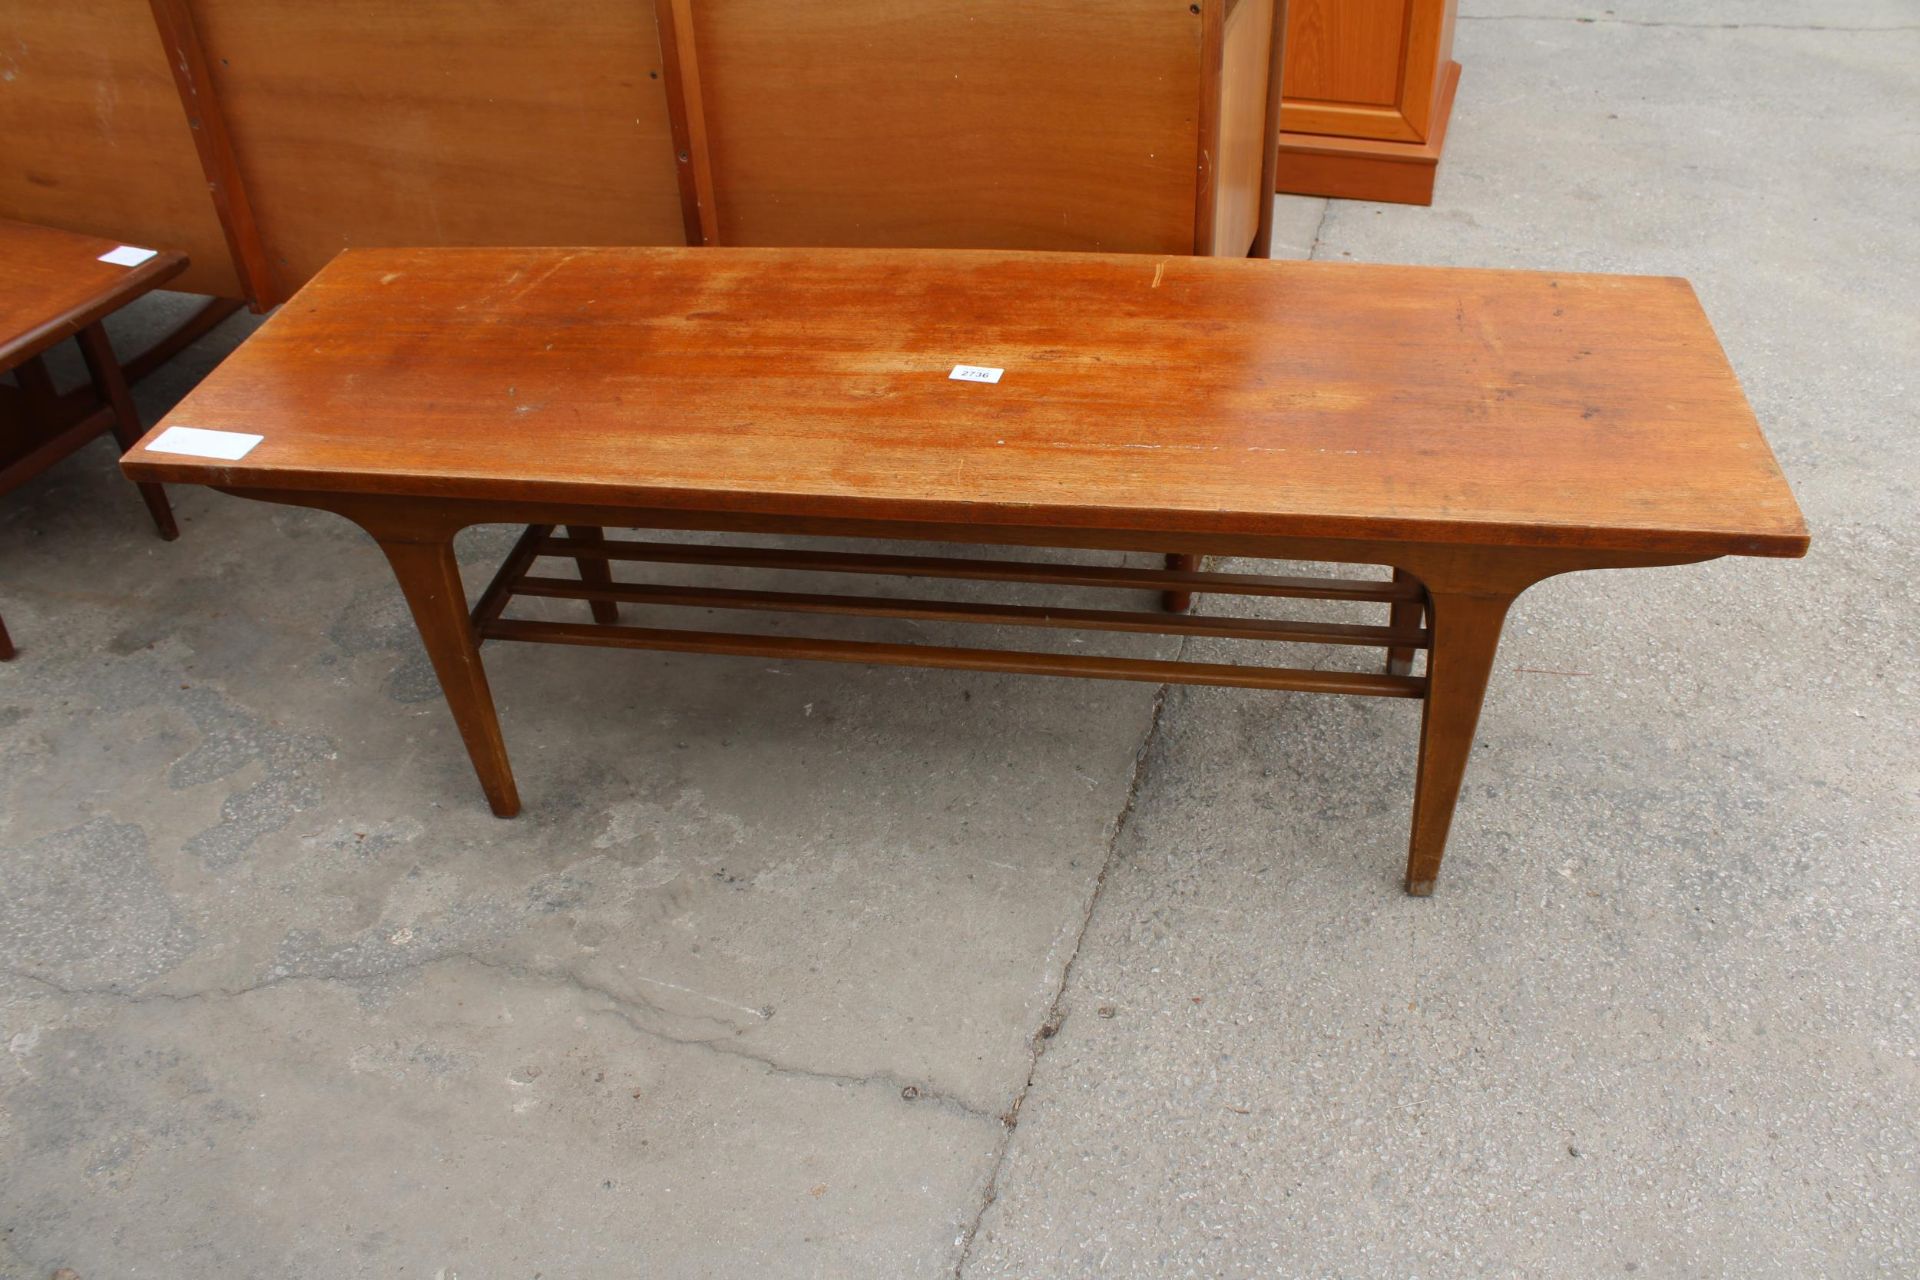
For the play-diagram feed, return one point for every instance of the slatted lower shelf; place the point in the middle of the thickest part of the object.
(1061, 575)
(593, 556)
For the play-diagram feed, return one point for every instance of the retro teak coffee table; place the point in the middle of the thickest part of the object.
(1477, 431)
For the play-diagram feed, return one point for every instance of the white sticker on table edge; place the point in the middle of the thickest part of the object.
(199, 442)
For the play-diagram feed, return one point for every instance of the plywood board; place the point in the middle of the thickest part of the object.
(444, 122)
(96, 140)
(948, 123)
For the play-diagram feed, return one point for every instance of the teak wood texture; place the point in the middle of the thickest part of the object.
(1474, 430)
(443, 122)
(53, 285)
(96, 140)
(267, 135)
(1285, 399)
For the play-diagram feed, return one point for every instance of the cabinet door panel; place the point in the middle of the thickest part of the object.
(1335, 47)
(1365, 68)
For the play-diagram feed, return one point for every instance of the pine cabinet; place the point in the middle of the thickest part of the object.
(1368, 88)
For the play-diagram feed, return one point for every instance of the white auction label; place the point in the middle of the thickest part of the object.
(199, 442)
(975, 373)
(127, 255)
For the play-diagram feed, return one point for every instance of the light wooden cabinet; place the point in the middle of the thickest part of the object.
(1368, 88)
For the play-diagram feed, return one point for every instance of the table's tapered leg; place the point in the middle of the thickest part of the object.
(595, 573)
(430, 579)
(1405, 614)
(1466, 633)
(6, 642)
(1179, 601)
(104, 368)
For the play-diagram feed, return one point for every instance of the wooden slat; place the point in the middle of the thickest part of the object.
(687, 117)
(1152, 671)
(1213, 39)
(207, 119)
(975, 570)
(1155, 623)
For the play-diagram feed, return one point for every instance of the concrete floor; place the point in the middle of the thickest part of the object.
(758, 980)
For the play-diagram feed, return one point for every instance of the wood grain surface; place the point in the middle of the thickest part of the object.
(953, 123)
(96, 140)
(53, 285)
(1171, 394)
(1245, 192)
(444, 122)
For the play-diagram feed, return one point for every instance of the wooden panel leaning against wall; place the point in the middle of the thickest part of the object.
(444, 122)
(264, 136)
(96, 141)
(951, 123)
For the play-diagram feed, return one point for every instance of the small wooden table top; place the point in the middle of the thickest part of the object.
(1477, 430)
(53, 285)
(56, 285)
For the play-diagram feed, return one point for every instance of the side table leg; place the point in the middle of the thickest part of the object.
(1466, 633)
(1179, 601)
(112, 386)
(6, 642)
(430, 579)
(593, 572)
(1405, 614)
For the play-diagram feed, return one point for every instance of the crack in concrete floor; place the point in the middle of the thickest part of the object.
(1055, 1010)
(627, 1009)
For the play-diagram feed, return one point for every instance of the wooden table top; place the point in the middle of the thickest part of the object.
(53, 284)
(1286, 399)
